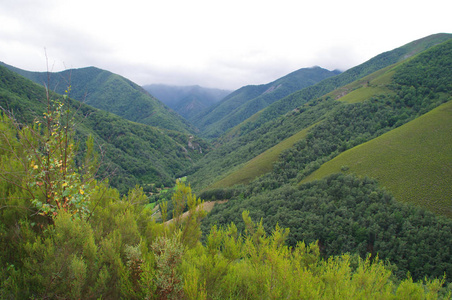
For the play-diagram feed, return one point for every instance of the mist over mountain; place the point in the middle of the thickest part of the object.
(186, 100)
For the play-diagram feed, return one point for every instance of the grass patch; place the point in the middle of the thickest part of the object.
(261, 164)
(363, 93)
(150, 205)
(366, 87)
(413, 162)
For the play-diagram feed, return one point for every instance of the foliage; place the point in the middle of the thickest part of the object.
(349, 215)
(46, 153)
(112, 251)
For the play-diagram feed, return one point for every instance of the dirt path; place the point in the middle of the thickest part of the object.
(207, 206)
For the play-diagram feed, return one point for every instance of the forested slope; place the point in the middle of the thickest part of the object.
(113, 93)
(393, 104)
(346, 213)
(379, 62)
(133, 153)
(246, 101)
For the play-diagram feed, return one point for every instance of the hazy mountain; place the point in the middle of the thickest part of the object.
(186, 100)
(246, 101)
(110, 92)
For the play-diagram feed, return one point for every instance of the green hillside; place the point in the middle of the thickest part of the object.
(261, 164)
(248, 100)
(113, 93)
(345, 212)
(413, 162)
(133, 153)
(376, 63)
(395, 102)
(375, 84)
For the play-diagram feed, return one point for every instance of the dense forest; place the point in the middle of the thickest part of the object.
(86, 212)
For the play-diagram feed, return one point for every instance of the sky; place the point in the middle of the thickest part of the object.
(218, 44)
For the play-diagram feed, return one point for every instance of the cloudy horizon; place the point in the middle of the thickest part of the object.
(214, 44)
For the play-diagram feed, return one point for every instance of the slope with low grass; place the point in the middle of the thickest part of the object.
(413, 162)
(367, 87)
(261, 164)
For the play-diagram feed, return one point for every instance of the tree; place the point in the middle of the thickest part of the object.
(46, 155)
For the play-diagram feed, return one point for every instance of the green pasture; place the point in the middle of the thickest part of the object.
(413, 162)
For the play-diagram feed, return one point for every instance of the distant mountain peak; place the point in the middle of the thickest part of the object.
(186, 100)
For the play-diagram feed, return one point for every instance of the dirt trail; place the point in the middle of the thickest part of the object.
(207, 206)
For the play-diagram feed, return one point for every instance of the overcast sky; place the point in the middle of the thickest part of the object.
(223, 44)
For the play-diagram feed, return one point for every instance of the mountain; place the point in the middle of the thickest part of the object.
(344, 188)
(186, 100)
(246, 101)
(256, 135)
(132, 153)
(110, 92)
(378, 62)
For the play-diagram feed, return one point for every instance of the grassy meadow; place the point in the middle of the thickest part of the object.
(413, 162)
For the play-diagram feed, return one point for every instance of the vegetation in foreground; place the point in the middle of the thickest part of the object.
(65, 235)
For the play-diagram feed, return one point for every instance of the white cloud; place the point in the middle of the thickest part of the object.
(212, 43)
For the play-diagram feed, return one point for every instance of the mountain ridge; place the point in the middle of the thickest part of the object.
(380, 61)
(186, 100)
(247, 100)
(253, 137)
(136, 153)
(110, 92)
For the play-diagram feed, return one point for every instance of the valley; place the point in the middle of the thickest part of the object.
(333, 175)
